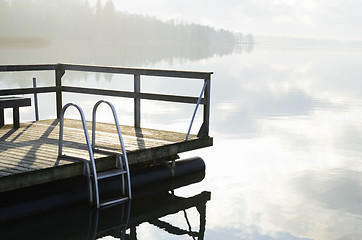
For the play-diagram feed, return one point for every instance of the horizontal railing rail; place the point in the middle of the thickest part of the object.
(18, 91)
(127, 94)
(60, 69)
(18, 68)
(137, 71)
(107, 69)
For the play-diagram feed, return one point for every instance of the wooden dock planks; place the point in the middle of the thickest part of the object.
(28, 155)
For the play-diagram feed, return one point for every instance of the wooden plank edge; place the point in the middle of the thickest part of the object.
(161, 152)
(46, 175)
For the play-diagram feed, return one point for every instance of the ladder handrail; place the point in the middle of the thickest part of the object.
(90, 151)
(119, 136)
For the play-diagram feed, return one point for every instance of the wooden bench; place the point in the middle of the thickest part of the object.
(14, 103)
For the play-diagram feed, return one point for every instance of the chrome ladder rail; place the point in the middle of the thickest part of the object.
(89, 165)
(122, 164)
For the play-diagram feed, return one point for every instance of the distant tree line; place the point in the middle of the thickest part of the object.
(70, 20)
(76, 31)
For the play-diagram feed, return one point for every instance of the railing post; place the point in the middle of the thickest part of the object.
(137, 101)
(204, 130)
(36, 101)
(2, 117)
(59, 72)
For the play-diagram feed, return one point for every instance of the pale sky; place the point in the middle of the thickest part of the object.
(331, 19)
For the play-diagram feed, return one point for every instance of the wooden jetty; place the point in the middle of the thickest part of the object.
(29, 150)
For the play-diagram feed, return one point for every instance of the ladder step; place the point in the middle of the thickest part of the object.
(110, 173)
(113, 201)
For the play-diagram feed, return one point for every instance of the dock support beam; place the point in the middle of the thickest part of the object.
(59, 72)
(137, 101)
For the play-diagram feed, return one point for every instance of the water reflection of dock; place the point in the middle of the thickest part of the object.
(120, 221)
(159, 207)
(29, 153)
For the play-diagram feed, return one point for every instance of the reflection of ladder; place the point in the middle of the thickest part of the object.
(100, 226)
(94, 177)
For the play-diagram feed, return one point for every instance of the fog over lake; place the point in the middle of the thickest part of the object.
(286, 110)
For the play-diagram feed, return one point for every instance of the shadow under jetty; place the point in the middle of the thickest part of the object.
(120, 221)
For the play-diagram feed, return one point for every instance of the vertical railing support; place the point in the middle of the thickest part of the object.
(2, 117)
(137, 101)
(204, 130)
(59, 72)
(36, 101)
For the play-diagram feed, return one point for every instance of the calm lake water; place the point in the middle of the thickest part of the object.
(286, 121)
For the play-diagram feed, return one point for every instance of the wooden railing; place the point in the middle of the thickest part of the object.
(137, 95)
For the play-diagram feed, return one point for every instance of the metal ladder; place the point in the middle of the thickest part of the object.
(121, 169)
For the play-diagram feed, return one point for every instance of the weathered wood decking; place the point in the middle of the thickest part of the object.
(29, 155)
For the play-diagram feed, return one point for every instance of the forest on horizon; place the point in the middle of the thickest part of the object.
(70, 21)
(76, 31)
